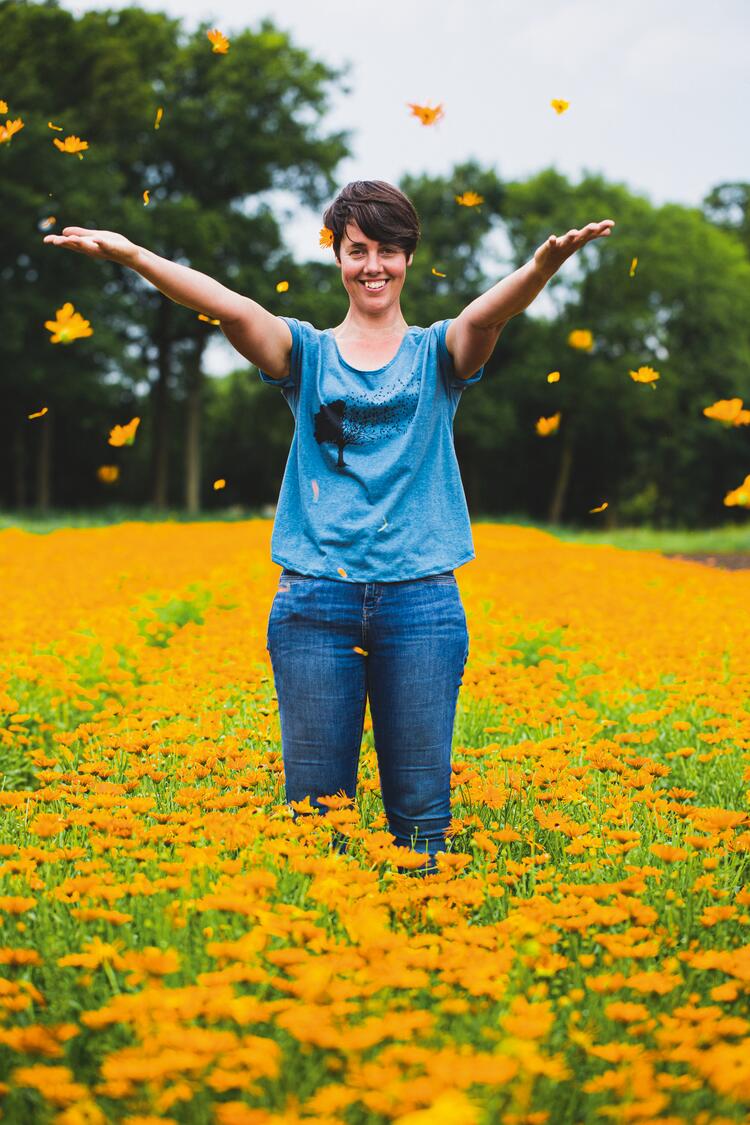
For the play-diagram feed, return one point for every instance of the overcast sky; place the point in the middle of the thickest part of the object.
(658, 89)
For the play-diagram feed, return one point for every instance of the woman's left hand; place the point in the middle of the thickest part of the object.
(552, 253)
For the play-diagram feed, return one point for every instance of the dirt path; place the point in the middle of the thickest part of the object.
(725, 562)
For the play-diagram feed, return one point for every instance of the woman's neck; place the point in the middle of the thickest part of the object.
(359, 329)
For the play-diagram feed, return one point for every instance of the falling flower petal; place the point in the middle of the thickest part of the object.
(361, 651)
(123, 435)
(71, 144)
(48, 222)
(316, 490)
(469, 199)
(559, 105)
(159, 115)
(437, 273)
(68, 325)
(282, 286)
(39, 413)
(633, 264)
(385, 524)
(546, 426)
(428, 115)
(208, 319)
(220, 41)
(342, 572)
(553, 377)
(581, 339)
(220, 483)
(600, 508)
(326, 237)
(145, 198)
(108, 474)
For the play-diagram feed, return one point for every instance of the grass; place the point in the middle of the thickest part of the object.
(728, 539)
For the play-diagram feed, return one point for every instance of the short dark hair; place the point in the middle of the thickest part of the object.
(379, 209)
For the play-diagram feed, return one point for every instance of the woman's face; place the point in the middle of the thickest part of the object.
(364, 259)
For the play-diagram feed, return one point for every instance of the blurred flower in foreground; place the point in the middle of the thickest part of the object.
(220, 483)
(282, 286)
(600, 508)
(108, 474)
(326, 237)
(553, 377)
(219, 41)
(728, 411)
(545, 426)
(645, 375)
(739, 496)
(469, 199)
(71, 144)
(39, 413)
(633, 264)
(68, 325)
(428, 115)
(8, 130)
(123, 435)
(581, 339)
(559, 105)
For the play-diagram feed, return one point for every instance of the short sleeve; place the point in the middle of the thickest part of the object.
(445, 360)
(295, 360)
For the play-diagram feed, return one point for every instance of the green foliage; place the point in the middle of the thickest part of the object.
(163, 619)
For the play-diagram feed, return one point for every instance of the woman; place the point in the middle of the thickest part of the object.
(372, 518)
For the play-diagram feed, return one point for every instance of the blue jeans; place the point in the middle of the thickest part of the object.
(416, 641)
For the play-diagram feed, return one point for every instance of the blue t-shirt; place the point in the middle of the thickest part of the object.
(371, 483)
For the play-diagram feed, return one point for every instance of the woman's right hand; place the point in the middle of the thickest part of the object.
(105, 244)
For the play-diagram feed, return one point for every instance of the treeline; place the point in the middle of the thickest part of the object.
(237, 126)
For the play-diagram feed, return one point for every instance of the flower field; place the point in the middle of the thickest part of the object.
(175, 948)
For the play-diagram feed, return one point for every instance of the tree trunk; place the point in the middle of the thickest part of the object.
(193, 410)
(160, 405)
(19, 468)
(44, 466)
(560, 492)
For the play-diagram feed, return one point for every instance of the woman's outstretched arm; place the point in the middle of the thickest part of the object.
(472, 336)
(256, 334)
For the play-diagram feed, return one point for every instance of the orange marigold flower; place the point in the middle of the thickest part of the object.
(9, 129)
(71, 144)
(726, 411)
(546, 426)
(739, 496)
(644, 375)
(469, 199)
(108, 474)
(581, 339)
(219, 41)
(68, 325)
(668, 853)
(428, 115)
(123, 435)
(326, 237)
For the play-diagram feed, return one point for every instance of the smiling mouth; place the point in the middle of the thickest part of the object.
(375, 286)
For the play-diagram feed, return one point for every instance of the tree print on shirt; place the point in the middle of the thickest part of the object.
(343, 424)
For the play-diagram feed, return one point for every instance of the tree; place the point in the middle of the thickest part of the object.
(234, 127)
